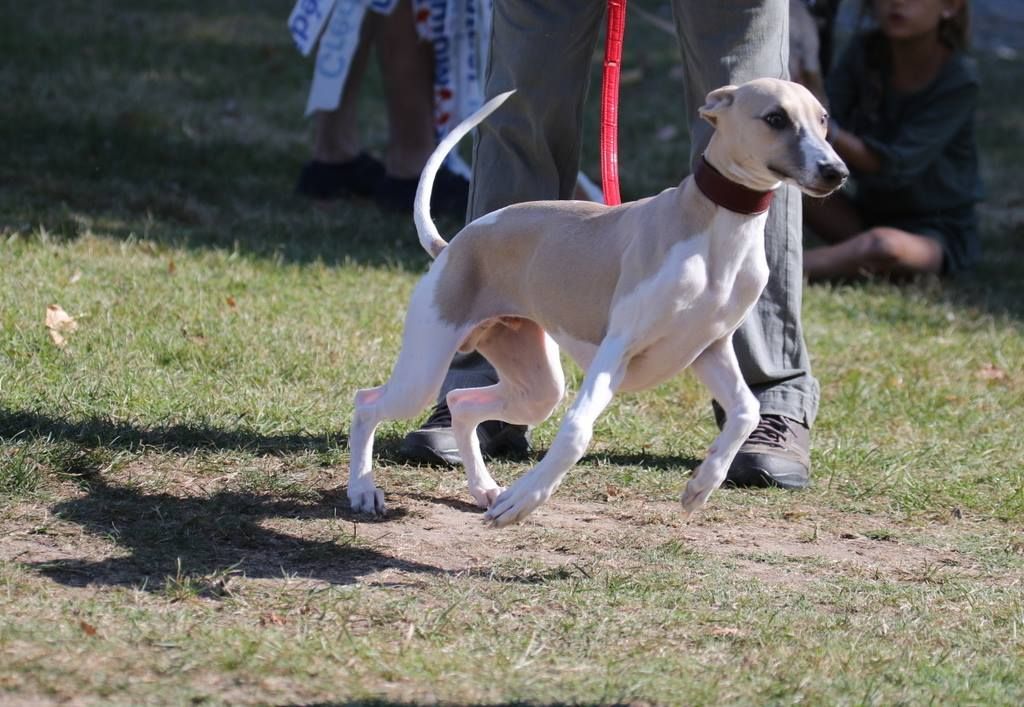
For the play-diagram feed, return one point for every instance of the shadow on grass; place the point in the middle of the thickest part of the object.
(102, 432)
(98, 432)
(174, 541)
(133, 180)
(659, 462)
(381, 702)
(170, 541)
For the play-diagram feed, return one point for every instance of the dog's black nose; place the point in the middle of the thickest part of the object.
(833, 172)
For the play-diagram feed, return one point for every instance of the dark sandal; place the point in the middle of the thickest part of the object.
(332, 180)
(450, 195)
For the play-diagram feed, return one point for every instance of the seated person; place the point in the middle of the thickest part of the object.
(902, 100)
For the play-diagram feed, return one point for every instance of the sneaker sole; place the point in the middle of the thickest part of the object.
(766, 471)
(418, 447)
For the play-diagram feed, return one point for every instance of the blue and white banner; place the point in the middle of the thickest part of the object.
(457, 29)
(333, 59)
(307, 21)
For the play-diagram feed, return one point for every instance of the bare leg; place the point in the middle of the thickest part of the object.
(336, 133)
(878, 251)
(407, 65)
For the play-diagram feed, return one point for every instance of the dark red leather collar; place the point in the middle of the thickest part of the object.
(727, 193)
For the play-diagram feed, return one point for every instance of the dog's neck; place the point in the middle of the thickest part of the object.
(729, 194)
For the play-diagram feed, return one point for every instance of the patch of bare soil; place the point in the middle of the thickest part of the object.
(114, 535)
(804, 546)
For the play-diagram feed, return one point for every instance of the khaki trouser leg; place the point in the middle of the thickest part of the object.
(730, 42)
(530, 149)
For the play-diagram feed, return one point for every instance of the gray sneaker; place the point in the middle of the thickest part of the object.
(434, 441)
(777, 453)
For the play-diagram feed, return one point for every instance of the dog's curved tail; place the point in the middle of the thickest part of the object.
(430, 238)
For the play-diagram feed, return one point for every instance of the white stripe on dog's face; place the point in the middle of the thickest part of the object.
(823, 171)
(772, 131)
(800, 122)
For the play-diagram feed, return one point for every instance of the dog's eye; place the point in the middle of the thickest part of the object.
(776, 120)
(824, 120)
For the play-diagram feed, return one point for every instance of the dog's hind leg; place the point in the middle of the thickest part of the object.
(427, 348)
(604, 376)
(530, 386)
(718, 370)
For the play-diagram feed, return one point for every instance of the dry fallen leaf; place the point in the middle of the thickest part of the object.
(89, 629)
(194, 338)
(991, 372)
(59, 323)
(171, 267)
(231, 302)
(272, 619)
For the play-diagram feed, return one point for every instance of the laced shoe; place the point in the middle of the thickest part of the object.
(434, 441)
(777, 453)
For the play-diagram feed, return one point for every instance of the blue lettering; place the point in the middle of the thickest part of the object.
(438, 12)
(299, 27)
(332, 65)
(442, 65)
(311, 7)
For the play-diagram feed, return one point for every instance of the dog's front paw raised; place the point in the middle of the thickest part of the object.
(515, 503)
(366, 499)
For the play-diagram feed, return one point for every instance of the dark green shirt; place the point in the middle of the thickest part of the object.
(925, 139)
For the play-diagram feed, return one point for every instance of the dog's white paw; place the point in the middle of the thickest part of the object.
(515, 503)
(694, 496)
(485, 498)
(368, 499)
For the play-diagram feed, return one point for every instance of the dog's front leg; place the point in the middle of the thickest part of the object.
(718, 370)
(536, 486)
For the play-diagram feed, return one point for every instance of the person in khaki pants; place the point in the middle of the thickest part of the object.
(530, 150)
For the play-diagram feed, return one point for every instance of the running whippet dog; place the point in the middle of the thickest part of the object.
(634, 293)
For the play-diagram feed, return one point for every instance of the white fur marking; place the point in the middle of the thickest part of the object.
(488, 219)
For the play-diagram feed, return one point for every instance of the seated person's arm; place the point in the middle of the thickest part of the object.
(844, 93)
(854, 151)
(920, 140)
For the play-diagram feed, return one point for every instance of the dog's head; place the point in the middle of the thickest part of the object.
(769, 131)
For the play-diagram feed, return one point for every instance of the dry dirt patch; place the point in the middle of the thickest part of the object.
(114, 536)
(806, 547)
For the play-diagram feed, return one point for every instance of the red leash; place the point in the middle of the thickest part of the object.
(610, 102)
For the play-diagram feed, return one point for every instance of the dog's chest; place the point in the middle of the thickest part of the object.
(700, 298)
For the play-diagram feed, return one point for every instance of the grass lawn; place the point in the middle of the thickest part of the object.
(173, 521)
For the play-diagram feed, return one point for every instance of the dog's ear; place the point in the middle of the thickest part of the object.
(716, 102)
